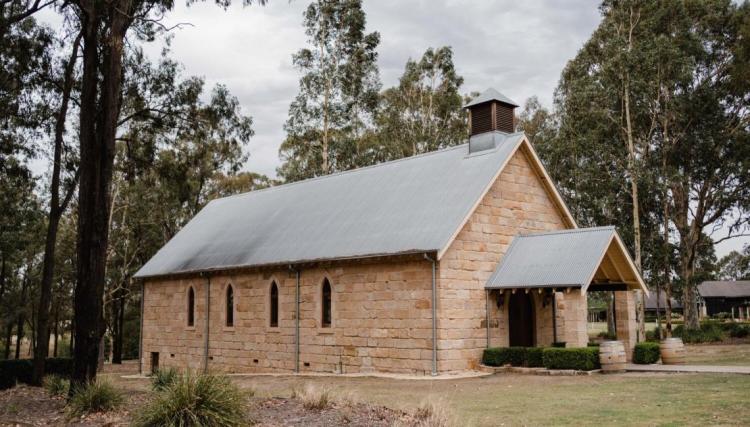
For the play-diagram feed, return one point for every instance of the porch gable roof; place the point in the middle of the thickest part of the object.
(580, 257)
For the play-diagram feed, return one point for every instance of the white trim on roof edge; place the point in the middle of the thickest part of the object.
(541, 172)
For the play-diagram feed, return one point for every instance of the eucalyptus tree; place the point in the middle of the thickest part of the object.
(174, 144)
(338, 92)
(424, 111)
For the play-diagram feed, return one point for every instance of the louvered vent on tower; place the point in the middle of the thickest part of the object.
(489, 112)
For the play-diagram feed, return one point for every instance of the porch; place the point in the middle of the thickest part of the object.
(537, 296)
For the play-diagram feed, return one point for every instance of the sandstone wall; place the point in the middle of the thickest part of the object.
(381, 320)
(516, 203)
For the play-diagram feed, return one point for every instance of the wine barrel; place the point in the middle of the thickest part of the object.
(612, 356)
(672, 351)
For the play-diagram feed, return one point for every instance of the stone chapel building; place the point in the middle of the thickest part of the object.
(414, 265)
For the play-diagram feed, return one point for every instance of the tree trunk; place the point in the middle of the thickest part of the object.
(119, 318)
(689, 305)
(21, 315)
(56, 209)
(55, 332)
(98, 126)
(19, 334)
(667, 265)
(611, 326)
(8, 340)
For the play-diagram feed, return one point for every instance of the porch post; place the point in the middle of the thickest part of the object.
(625, 321)
(487, 314)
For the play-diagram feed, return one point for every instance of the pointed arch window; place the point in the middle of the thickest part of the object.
(326, 306)
(230, 306)
(191, 307)
(274, 305)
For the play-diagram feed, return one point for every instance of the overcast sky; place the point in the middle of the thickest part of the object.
(517, 47)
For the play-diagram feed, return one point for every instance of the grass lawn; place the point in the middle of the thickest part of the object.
(595, 328)
(718, 354)
(507, 399)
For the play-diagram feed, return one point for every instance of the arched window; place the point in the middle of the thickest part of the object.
(274, 305)
(326, 306)
(191, 307)
(230, 306)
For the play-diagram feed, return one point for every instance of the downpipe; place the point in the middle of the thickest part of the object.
(208, 321)
(434, 316)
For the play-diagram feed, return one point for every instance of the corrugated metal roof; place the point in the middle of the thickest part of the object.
(651, 301)
(725, 289)
(557, 258)
(409, 205)
(490, 95)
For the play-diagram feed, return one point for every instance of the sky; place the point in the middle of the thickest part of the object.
(517, 47)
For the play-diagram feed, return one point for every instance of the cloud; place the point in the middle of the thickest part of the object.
(517, 47)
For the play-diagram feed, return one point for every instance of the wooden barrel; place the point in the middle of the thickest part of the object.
(612, 356)
(672, 351)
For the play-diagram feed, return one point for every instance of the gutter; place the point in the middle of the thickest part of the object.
(434, 318)
(296, 319)
(208, 320)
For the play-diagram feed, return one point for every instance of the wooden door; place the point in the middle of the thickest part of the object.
(521, 320)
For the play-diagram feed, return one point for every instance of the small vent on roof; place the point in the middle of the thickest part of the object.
(488, 113)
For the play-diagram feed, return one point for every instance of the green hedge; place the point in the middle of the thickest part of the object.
(20, 371)
(646, 353)
(535, 357)
(514, 356)
(708, 332)
(581, 359)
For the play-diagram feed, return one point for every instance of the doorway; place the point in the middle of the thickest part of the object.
(521, 320)
(154, 362)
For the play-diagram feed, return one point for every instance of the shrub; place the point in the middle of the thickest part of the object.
(432, 413)
(97, 396)
(607, 335)
(592, 344)
(496, 356)
(708, 332)
(535, 357)
(737, 330)
(646, 353)
(316, 399)
(582, 359)
(20, 371)
(163, 378)
(56, 385)
(514, 356)
(559, 344)
(195, 400)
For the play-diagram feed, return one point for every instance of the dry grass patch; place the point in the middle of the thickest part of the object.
(314, 398)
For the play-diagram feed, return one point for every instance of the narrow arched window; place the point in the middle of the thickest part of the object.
(274, 305)
(326, 306)
(230, 306)
(191, 307)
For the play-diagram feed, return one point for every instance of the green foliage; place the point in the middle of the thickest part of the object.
(56, 385)
(14, 371)
(195, 400)
(163, 378)
(735, 265)
(338, 92)
(738, 330)
(514, 356)
(96, 396)
(607, 335)
(535, 357)
(423, 112)
(582, 359)
(646, 353)
(708, 332)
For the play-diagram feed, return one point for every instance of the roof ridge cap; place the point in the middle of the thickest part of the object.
(569, 231)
